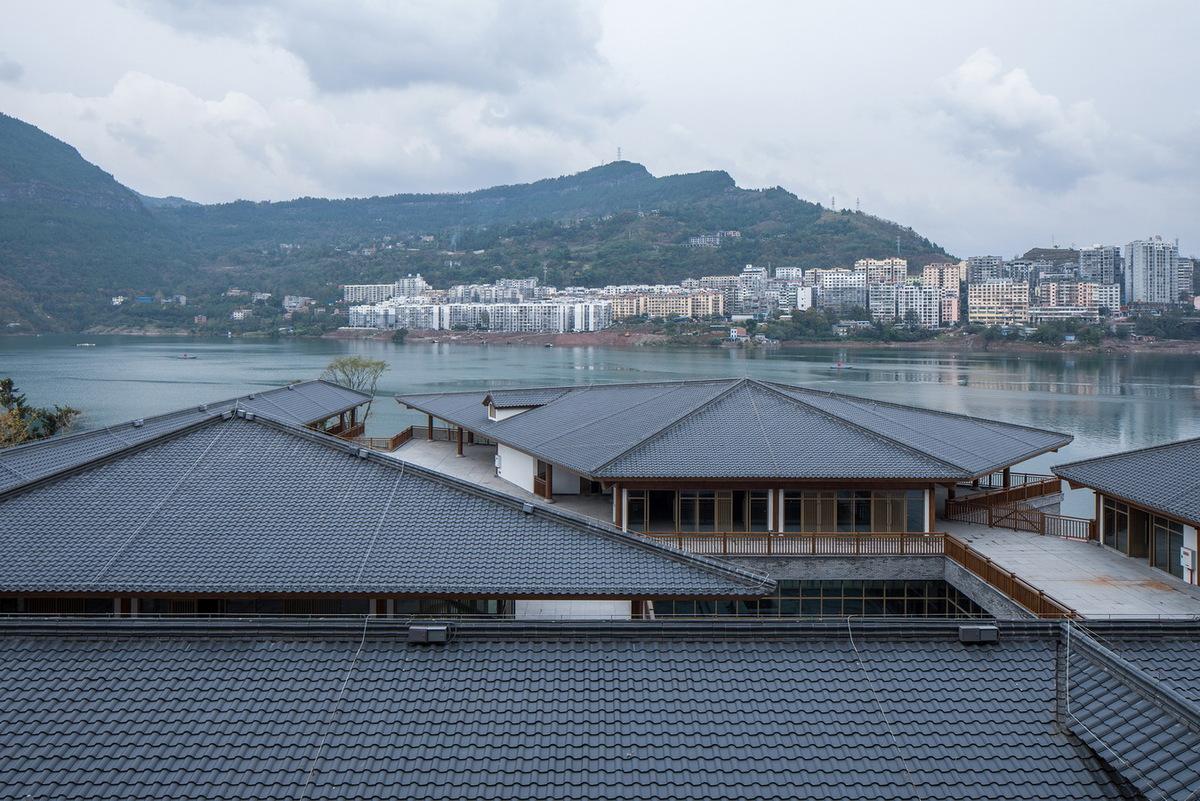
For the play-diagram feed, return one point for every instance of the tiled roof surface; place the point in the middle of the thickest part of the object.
(301, 403)
(552, 717)
(1140, 724)
(1165, 478)
(256, 507)
(744, 428)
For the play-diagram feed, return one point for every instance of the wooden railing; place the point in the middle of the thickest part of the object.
(1020, 517)
(349, 432)
(804, 543)
(386, 443)
(440, 434)
(1021, 487)
(1004, 580)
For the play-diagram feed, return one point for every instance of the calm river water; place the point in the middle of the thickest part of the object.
(1108, 402)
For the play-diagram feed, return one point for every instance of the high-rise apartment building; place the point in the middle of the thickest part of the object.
(1152, 271)
(883, 271)
(984, 268)
(1101, 264)
(944, 275)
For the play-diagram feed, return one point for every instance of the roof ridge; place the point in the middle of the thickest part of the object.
(1130, 452)
(672, 423)
(587, 423)
(925, 409)
(863, 429)
(573, 387)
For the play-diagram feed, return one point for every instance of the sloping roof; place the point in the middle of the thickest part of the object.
(1164, 478)
(234, 505)
(300, 403)
(741, 428)
(164, 710)
(1131, 713)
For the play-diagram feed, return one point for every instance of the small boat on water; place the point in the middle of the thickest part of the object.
(85, 344)
(185, 356)
(841, 365)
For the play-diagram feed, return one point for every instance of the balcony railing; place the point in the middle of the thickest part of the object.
(1006, 581)
(1020, 487)
(440, 434)
(1020, 517)
(804, 543)
(347, 432)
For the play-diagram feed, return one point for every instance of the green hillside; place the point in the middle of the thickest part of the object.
(71, 235)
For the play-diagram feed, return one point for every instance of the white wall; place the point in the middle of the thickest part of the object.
(516, 467)
(1190, 541)
(572, 610)
(504, 414)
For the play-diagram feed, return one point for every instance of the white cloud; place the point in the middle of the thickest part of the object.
(1000, 118)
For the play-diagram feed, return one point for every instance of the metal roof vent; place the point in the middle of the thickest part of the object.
(429, 634)
(527, 508)
(226, 415)
(251, 396)
(138, 423)
(362, 453)
(291, 386)
(249, 415)
(980, 633)
(204, 407)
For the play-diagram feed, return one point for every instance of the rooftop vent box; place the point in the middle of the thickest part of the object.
(429, 634)
(978, 634)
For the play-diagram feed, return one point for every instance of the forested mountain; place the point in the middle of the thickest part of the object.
(71, 235)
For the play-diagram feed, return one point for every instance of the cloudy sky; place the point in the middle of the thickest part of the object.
(988, 126)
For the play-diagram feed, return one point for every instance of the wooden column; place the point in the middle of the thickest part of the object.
(460, 438)
(429, 427)
(549, 481)
(775, 503)
(618, 506)
(1007, 477)
(470, 437)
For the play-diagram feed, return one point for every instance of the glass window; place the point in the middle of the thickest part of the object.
(1115, 520)
(635, 510)
(916, 510)
(1168, 542)
(759, 511)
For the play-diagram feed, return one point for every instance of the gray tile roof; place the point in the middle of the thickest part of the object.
(234, 505)
(742, 428)
(1128, 714)
(1163, 478)
(301, 403)
(133, 711)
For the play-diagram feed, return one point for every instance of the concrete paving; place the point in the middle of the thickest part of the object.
(1092, 580)
(478, 465)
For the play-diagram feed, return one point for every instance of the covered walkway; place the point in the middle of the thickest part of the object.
(478, 466)
(1092, 580)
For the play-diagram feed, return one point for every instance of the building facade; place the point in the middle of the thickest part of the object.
(1152, 271)
(1002, 302)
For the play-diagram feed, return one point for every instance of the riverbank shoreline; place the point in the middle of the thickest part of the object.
(626, 338)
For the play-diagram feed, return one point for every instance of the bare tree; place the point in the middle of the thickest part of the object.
(356, 372)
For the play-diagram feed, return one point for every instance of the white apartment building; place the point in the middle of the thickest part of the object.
(1187, 277)
(409, 286)
(1152, 271)
(789, 273)
(801, 297)
(1002, 302)
(893, 302)
(837, 278)
(883, 271)
(944, 275)
(559, 316)
(727, 285)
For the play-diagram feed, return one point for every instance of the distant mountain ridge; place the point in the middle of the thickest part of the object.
(71, 235)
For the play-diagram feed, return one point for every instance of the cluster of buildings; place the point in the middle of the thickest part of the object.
(509, 305)
(1084, 284)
